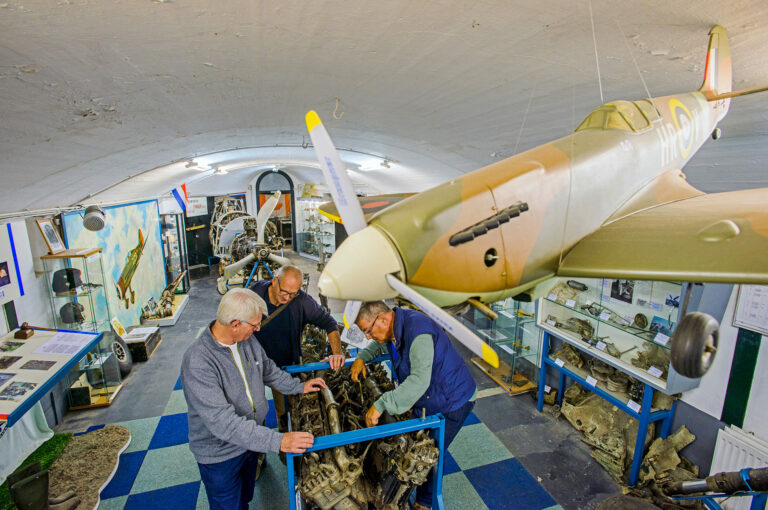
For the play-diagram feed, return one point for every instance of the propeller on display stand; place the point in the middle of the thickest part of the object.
(381, 252)
(261, 251)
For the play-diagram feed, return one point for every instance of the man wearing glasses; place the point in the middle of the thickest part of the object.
(281, 336)
(432, 375)
(223, 374)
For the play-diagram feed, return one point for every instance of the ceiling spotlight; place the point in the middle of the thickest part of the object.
(276, 168)
(385, 163)
(220, 170)
(94, 218)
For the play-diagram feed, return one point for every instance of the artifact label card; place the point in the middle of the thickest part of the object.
(633, 405)
(559, 362)
(591, 380)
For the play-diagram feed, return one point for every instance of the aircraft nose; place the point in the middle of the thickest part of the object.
(357, 270)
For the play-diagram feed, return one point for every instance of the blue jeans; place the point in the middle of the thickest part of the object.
(453, 422)
(229, 485)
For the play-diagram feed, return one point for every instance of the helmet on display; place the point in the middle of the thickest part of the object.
(66, 280)
(72, 313)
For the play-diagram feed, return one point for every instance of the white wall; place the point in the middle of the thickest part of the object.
(756, 420)
(34, 306)
(709, 397)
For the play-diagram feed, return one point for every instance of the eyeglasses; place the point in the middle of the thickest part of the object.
(368, 331)
(285, 292)
(254, 326)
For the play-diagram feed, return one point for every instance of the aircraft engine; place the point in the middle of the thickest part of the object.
(378, 474)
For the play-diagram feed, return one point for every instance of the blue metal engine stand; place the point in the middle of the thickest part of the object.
(436, 421)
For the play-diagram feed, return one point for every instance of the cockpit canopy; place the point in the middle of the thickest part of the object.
(635, 116)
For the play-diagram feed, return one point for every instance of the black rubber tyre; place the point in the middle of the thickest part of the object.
(694, 344)
(123, 355)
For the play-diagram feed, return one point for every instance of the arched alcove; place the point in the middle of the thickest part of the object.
(277, 180)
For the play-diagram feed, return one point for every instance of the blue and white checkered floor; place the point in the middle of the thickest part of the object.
(157, 470)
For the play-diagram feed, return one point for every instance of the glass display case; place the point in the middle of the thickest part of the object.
(76, 290)
(515, 338)
(626, 324)
(95, 381)
(175, 249)
(316, 234)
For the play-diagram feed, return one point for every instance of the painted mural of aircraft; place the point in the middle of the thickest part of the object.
(124, 290)
(608, 200)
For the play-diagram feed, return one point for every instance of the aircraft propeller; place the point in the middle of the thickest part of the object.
(261, 223)
(353, 220)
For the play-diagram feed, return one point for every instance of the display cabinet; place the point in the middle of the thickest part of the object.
(76, 288)
(316, 234)
(175, 250)
(624, 323)
(95, 381)
(515, 338)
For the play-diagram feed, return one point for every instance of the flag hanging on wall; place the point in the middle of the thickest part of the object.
(180, 193)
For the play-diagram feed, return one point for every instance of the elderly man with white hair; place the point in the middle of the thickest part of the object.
(223, 374)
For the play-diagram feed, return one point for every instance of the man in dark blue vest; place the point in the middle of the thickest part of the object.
(432, 375)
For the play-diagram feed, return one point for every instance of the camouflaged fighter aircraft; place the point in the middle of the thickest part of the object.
(608, 200)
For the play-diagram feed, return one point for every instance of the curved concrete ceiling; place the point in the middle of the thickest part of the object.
(95, 92)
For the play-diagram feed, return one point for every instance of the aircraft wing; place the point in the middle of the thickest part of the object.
(718, 237)
(371, 205)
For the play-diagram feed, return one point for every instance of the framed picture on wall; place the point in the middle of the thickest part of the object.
(51, 236)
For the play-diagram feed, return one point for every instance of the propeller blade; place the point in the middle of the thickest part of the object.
(462, 333)
(277, 259)
(264, 213)
(335, 175)
(350, 313)
(232, 269)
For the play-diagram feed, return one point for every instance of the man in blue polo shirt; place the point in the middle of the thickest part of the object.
(280, 336)
(432, 374)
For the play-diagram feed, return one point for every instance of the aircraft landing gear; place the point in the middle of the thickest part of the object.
(694, 344)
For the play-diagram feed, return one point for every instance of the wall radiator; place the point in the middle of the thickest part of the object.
(735, 450)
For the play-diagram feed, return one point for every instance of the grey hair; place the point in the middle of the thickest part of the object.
(289, 269)
(371, 309)
(240, 304)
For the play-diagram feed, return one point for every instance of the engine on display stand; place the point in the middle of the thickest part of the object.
(248, 249)
(378, 474)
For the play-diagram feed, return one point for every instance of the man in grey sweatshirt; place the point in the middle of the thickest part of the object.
(223, 374)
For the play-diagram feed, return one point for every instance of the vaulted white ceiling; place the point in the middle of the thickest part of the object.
(94, 92)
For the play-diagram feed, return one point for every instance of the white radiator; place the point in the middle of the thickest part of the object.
(735, 450)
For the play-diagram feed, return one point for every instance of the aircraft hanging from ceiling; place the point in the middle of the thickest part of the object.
(608, 200)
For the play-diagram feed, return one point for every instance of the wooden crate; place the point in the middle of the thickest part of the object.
(143, 343)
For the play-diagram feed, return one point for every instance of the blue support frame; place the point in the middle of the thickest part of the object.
(645, 417)
(436, 421)
(759, 499)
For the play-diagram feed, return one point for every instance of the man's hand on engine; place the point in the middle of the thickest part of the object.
(314, 385)
(296, 442)
(336, 361)
(357, 367)
(372, 417)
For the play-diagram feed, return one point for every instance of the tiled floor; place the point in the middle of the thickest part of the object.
(157, 470)
(508, 457)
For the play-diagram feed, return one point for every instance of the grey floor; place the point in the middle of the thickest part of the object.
(549, 448)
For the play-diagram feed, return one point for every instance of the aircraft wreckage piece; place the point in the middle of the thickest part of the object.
(378, 474)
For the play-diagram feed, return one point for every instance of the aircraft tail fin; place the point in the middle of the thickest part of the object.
(717, 73)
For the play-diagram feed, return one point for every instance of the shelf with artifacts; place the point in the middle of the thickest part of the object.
(510, 329)
(96, 380)
(632, 396)
(316, 235)
(167, 310)
(625, 324)
(76, 290)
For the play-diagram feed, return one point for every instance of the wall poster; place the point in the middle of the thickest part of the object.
(132, 255)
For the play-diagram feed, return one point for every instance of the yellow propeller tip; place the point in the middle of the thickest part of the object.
(313, 120)
(490, 356)
(346, 324)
